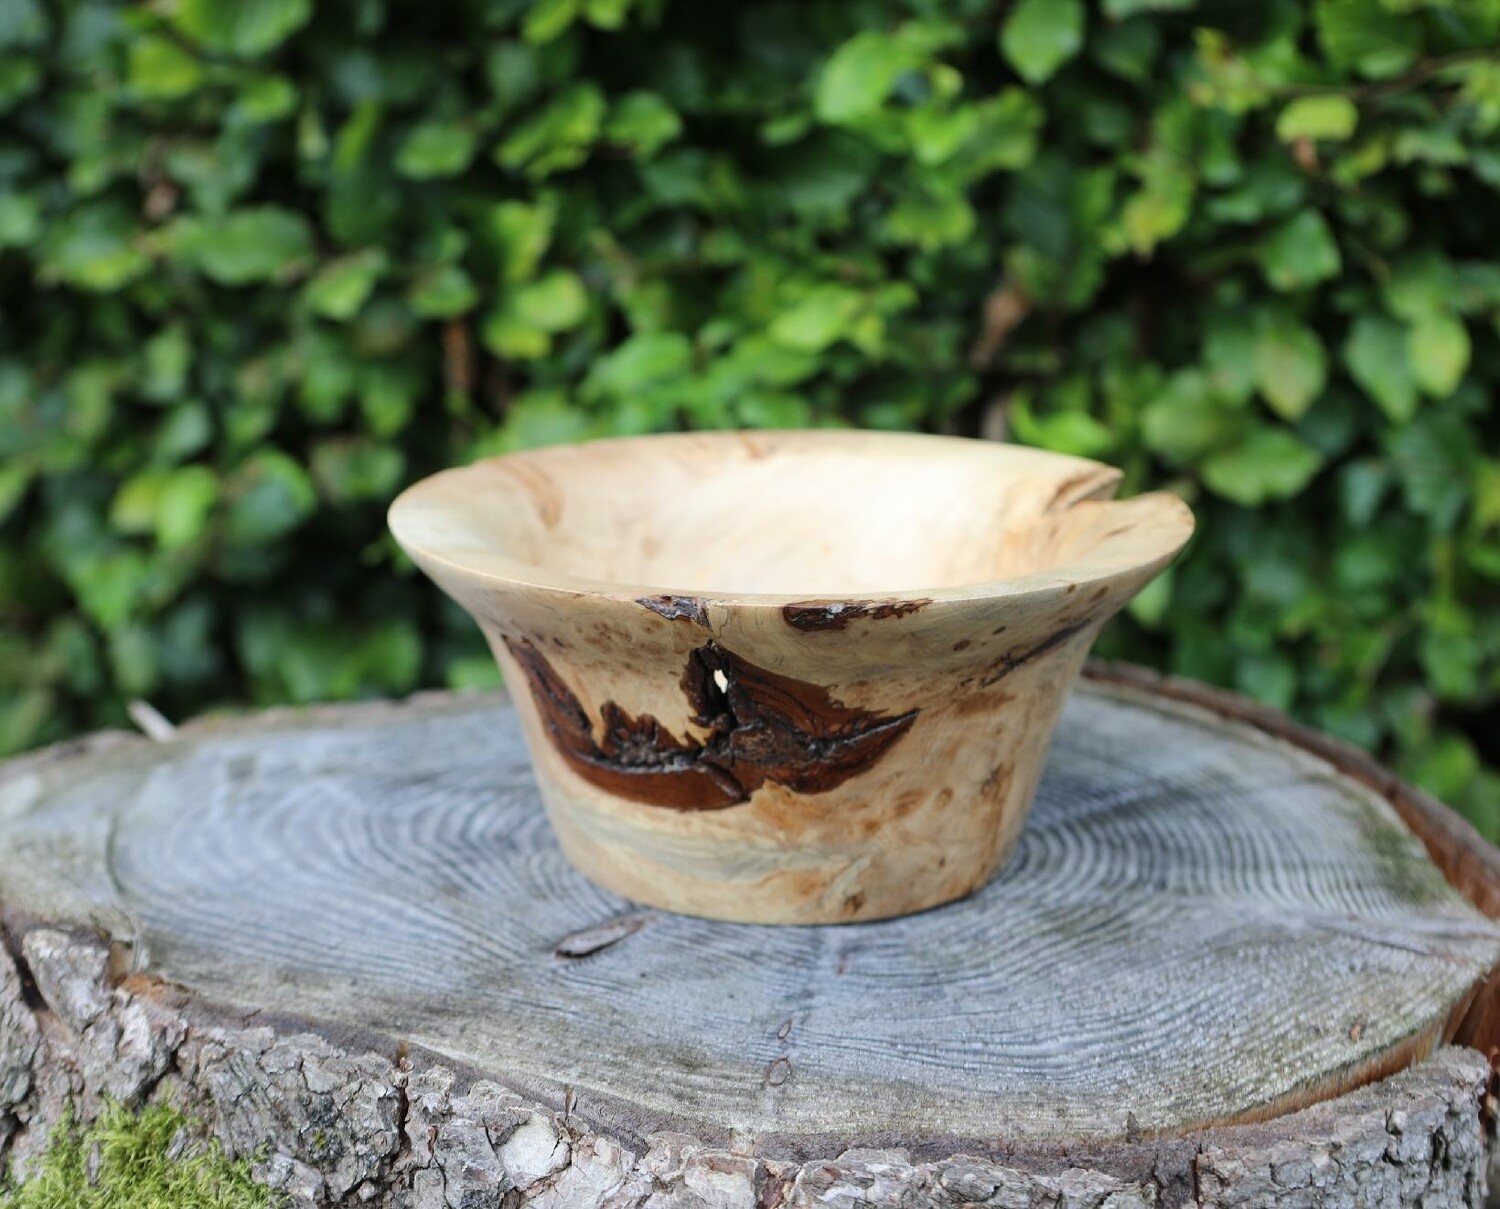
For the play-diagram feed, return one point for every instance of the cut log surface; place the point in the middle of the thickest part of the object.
(1207, 936)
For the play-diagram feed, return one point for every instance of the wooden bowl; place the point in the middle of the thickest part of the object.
(790, 677)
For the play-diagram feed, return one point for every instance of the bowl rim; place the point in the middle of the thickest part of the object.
(1171, 527)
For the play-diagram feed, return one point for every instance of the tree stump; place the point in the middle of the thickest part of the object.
(1221, 969)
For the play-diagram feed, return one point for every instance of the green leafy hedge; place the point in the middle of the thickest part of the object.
(263, 261)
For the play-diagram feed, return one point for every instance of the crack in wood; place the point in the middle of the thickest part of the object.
(814, 615)
(1008, 663)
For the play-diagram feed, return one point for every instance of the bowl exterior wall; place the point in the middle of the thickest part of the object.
(930, 822)
(750, 755)
(797, 765)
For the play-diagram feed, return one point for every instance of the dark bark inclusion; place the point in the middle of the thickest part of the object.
(677, 608)
(836, 615)
(761, 727)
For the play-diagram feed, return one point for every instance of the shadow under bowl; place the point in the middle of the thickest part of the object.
(788, 677)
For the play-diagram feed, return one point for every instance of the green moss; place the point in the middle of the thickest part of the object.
(135, 1159)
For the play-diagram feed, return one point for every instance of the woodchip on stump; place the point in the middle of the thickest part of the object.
(1219, 971)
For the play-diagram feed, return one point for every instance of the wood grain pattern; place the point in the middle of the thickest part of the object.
(788, 677)
(333, 1124)
(1202, 924)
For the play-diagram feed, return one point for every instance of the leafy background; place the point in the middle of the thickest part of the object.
(263, 262)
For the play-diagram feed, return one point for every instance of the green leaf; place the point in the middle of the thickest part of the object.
(244, 246)
(166, 359)
(15, 480)
(1127, 48)
(1300, 252)
(1184, 422)
(472, 674)
(240, 27)
(606, 14)
(929, 219)
(347, 469)
(859, 75)
(1434, 457)
(1290, 366)
(264, 99)
(133, 509)
(19, 79)
(22, 23)
(819, 318)
(387, 400)
(513, 71)
(559, 137)
(442, 292)
(548, 19)
(390, 656)
(1432, 144)
(24, 718)
(1444, 768)
(1119, 10)
(110, 586)
(20, 220)
(1160, 208)
(643, 360)
(522, 233)
(184, 431)
(1451, 659)
(268, 497)
(523, 323)
(1268, 464)
(1268, 678)
(1074, 432)
(938, 134)
(820, 176)
(1007, 134)
(772, 409)
(341, 287)
(643, 122)
(1376, 356)
(160, 69)
(1363, 486)
(1420, 284)
(1317, 117)
(1437, 347)
(1229, 356)
(1374, 39)
(185, 503)
(436, 149)
(93, 249)
(542, 417)
(1149, 606)
(554, 302)
(1041, 35)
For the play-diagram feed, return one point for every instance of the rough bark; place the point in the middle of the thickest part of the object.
(334, 1126)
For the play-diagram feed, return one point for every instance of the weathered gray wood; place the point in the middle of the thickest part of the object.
(342, 1125)
(1203, 924)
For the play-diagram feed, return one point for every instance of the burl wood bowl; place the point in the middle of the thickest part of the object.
(798, 677)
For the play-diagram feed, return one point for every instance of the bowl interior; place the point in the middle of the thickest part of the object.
(811, 514)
